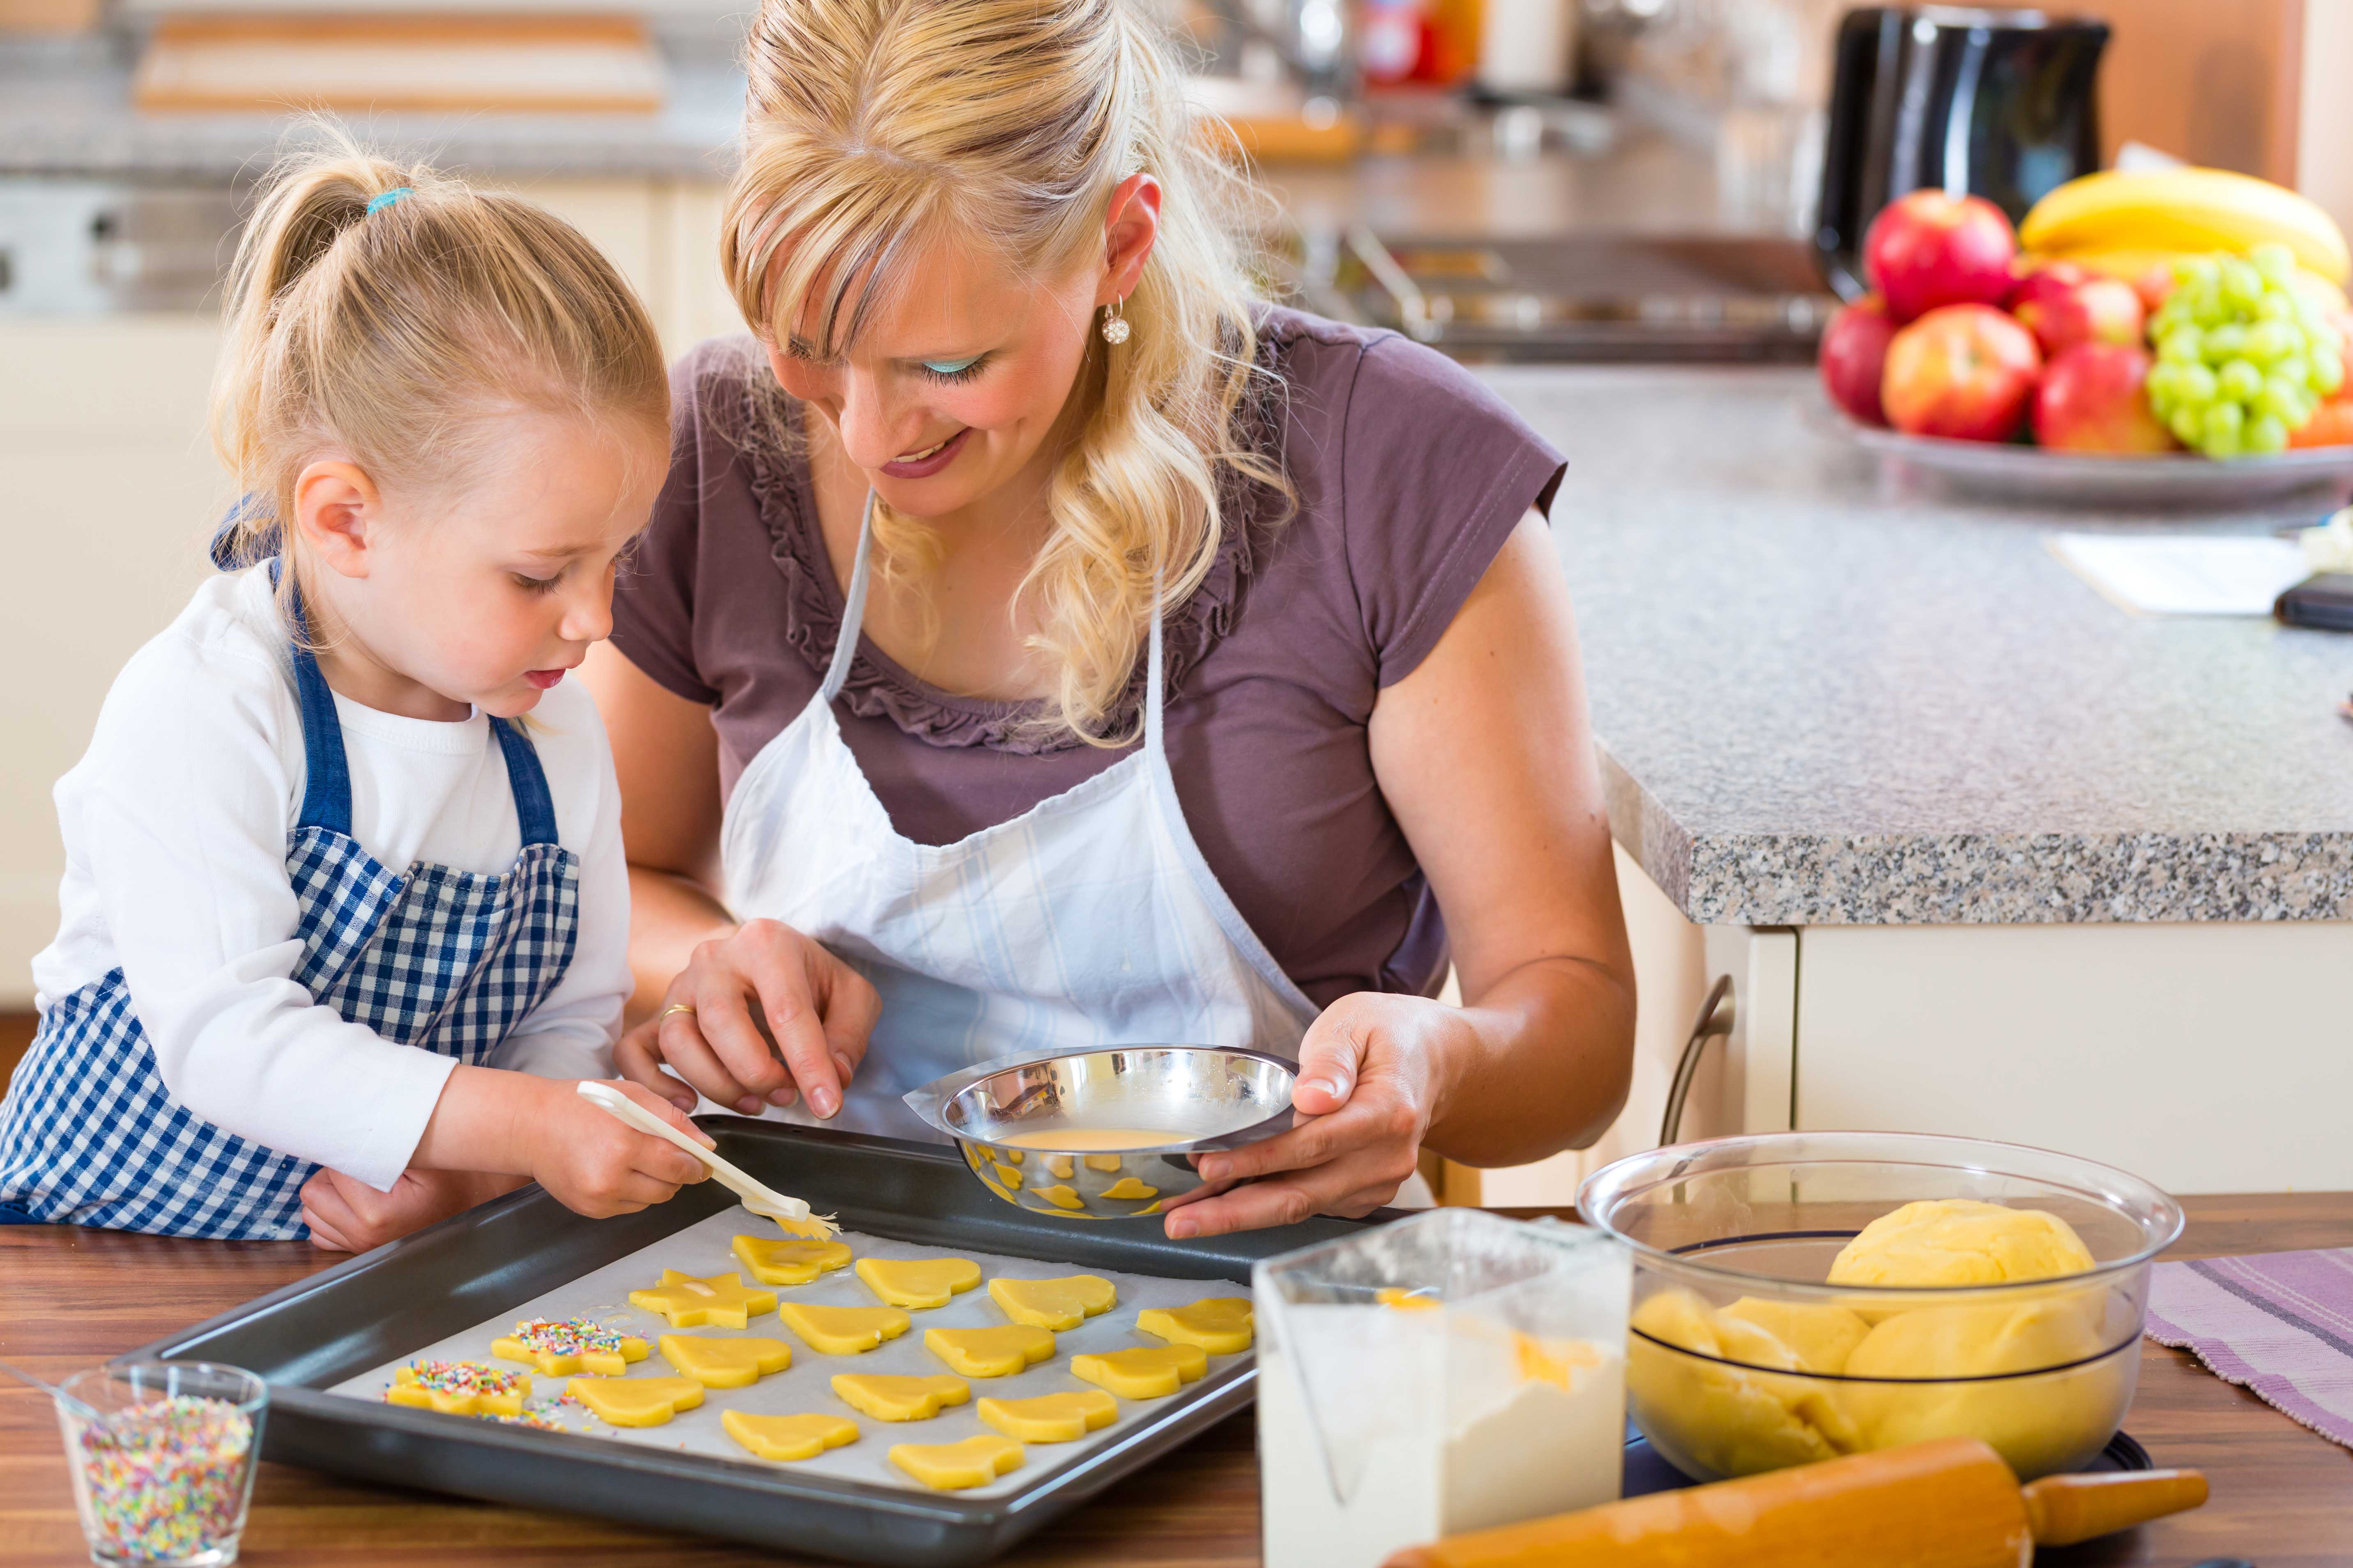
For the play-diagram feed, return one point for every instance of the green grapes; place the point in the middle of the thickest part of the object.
(2242, 356)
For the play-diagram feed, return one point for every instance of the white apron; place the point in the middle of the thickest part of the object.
(1090, 920)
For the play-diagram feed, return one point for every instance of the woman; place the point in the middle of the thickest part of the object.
(1041, 644)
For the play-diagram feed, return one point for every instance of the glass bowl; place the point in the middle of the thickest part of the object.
(1738, 1351)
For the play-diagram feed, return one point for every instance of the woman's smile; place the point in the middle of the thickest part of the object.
(928, 461)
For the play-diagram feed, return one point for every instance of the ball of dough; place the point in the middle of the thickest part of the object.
(1960, 1241)
(1728, 1420)
(2039, 1422)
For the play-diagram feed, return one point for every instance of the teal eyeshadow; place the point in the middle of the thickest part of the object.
(951, 366)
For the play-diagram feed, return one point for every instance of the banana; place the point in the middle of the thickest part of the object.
(2185, 209)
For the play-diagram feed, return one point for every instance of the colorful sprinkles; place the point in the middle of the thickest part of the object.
(463, 1377)
(166, 1480)
(570, 1336)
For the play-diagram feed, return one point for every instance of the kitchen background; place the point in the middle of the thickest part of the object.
(1521, 182)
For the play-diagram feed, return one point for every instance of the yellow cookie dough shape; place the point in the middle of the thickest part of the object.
(1007, 1175)
(459, 1388)
(951, 1466)
(1056, 1304)
(918, 1282)
(1050, 1418)
(843, 1330)
(1146, 1372)
(998, 1352)
(1219, 1324)
(691, 1301)
(886, 1397)
(1129, 1187)
(1061, 1166)
(725, 1363)
(1062, 1196)
(570, 1344)
(1106, 1163)
(791, 1261)
(636, 1401)
(788, 1436)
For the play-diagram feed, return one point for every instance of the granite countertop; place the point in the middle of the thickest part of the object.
(1827, 697)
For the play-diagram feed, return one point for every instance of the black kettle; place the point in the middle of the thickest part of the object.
(2000, 104)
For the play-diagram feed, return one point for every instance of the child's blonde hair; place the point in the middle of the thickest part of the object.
(380, 311)
(874, 129)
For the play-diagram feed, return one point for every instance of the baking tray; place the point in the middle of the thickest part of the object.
(390, 1304)
(701, 1250)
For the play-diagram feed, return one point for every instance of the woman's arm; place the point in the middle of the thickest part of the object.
(751, 990)
(665, 755)
(1486, 756)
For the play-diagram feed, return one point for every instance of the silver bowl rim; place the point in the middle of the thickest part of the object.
(946, 1090)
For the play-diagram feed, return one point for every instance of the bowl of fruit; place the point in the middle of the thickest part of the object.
(2163, 338)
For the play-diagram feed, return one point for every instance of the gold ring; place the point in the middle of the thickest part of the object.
(686, 1008)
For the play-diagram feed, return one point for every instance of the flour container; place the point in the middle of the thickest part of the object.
(1450, 1372)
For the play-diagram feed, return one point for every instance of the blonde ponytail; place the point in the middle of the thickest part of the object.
(381, 311)
(875, 128)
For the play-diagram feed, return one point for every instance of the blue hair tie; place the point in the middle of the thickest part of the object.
(377, 203)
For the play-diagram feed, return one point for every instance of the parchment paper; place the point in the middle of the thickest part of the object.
(806, 1385)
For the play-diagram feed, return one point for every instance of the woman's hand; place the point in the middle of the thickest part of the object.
(1375, 1071)
(762, 1016)
(346, 1214)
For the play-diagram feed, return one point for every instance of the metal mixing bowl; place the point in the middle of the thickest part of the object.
(1200, 1097)
(1745, 1228)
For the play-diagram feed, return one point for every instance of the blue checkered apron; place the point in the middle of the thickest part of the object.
(428, 956)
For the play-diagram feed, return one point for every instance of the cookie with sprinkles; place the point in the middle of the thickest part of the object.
(559, 1347)
(458, 1388)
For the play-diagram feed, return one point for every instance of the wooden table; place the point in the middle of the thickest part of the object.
(70, 1299)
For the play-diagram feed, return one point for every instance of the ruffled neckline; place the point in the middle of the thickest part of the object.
(880, 687)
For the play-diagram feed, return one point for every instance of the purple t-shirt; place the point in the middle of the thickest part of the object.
(1409, 474)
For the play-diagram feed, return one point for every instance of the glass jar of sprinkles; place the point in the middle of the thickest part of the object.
(162, 1456)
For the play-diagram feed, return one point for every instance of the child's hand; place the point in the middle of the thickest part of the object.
(597, 1165)
(348, 1215)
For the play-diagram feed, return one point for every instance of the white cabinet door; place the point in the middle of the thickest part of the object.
(2204, 1057)
(108, 494)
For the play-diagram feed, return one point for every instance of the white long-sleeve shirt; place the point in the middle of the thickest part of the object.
(175, 823)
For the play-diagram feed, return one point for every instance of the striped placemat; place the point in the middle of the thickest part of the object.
(2277, 1323)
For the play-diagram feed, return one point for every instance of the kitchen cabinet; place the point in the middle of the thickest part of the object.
(108, 494)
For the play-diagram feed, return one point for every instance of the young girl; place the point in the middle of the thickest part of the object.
(339, 927)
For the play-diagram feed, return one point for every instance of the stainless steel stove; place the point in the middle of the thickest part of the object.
(1577, 298)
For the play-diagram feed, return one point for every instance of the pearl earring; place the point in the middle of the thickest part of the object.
(1114, 326)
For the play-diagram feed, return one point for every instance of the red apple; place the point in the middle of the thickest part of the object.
(1928, 248)
(2091, 399)
(1854, 356)
(1963, 371)
(2154, 284)
(2062, 305)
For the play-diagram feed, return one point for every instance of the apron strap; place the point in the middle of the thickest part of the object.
(534, 807)
(327, 794)
(853, 607)
(1154, 730)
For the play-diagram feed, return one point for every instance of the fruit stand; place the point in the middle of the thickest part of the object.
(2130, 314)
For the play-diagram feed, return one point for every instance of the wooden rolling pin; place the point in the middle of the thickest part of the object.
(1951, 1503)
